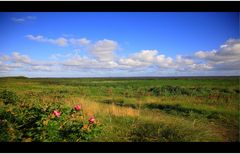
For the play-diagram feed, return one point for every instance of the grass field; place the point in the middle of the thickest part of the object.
(125, 109)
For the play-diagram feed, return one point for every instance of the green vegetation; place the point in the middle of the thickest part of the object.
(126, 109)
(8, 97)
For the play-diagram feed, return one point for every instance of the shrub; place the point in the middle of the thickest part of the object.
(169, 90)
(8, 97)
(75, 131)
(151, 132)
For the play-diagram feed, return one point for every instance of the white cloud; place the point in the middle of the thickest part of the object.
(61, 41)
(18, 58)
(24, 62)
(83, 62)
(103, 58)
(79, 61)
(183, 61)
(9, 67)
(36, 38)
(132, 63)
(205, 54)
(82, 41)
(146, 55)
(18, 20)
(164, 62)
(200, 66)
(23, 19)
(226, 57)
(147, 58)
(103, 50)
(143, 58)
(15, 65)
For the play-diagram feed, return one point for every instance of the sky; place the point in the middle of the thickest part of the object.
(119, 44)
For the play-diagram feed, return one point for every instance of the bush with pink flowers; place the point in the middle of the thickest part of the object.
(52, 124)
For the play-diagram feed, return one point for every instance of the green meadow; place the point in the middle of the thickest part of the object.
(183, 109)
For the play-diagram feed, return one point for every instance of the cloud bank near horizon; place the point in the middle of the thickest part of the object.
(102, 56)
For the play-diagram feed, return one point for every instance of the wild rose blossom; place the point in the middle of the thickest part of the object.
(91, 119)
(77, 107)
(57, 113)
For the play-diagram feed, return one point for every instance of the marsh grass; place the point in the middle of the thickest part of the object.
(127, 110)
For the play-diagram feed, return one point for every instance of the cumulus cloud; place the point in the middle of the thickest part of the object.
(103, 57)
(185, 61)
(104, 49)
(143, 58)
(132, 63)
(164, 62)
(18, 58)
(146, 58)
(24, 62)
(146, 55)
(83, 62)
(205, 54)
(4, 68)
(226, 57)
(9, 66)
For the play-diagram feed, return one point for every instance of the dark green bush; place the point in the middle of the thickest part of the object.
(157, 133)
(8, 97)
(75, 131)
(169, 90)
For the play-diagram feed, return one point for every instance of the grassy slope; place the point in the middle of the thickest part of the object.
(206, 109)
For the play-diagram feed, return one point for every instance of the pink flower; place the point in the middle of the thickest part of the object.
(57, 113)
(91, 119)
(77, 107)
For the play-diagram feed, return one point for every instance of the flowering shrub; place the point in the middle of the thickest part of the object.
(52, 124)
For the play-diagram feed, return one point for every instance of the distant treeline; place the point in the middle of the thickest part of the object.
(15, 77)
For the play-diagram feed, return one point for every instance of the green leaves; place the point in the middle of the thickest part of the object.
(8, 97)
(38, 124)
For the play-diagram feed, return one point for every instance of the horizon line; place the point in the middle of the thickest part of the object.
(127, 76)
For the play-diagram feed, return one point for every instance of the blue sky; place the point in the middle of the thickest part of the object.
(82, 44)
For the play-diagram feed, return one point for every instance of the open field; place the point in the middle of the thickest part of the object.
(126, 109)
